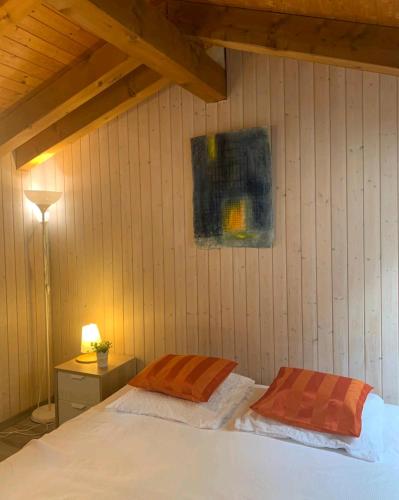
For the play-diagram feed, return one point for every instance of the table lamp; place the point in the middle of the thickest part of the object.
(90, 333)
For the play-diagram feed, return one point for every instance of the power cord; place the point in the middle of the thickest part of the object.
(24, 430)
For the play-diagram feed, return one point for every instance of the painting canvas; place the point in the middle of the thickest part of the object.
(233, 189)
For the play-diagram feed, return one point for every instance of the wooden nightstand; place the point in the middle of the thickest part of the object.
(79, 386)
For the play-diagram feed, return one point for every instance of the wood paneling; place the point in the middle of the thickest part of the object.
(35, 48)
(123, 255)
(21, 293)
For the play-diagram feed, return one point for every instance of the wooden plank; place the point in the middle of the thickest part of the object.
(12, 11)
(81, 314)
(116, 236)
(10, 281)
(19, 76)
(192, 277)
(323, 218)
(22, 291)
(263, 104)
(106, 205)
(354, 45)
(126, 232)
(59, 279)
(146, 236)
(90, 313)
(372, 230)
(239, 271)
(72, 89)
(226, 254)
(137, 248)
(142, 31)
(355, 222)
(40, 45)
(51, 35)
(63, 25)
(279, 245)
(14, 85)
(24, 67)
(339, 220)
(28, 223)
(156, 170)
(214, 263)
(353, 10)
(179, 219)
(293, 213)
(67, 234)
(167, 220)
(252, 254)
(97, 226)
(9, 94)
(202, 265)
(133, 88)
(44, 61)
(389, 237)
(308, 214)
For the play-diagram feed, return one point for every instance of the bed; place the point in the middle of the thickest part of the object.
(105, 455)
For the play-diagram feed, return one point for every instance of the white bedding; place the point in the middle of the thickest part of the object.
(106, 455)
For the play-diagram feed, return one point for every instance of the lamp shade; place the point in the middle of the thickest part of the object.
(90, 333)
(43, 199)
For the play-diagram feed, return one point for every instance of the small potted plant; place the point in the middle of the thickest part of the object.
(102, 349)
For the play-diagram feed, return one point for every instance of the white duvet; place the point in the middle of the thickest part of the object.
(106, 455)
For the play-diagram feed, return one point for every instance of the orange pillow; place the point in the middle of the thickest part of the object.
(184, 376)
(315, 401)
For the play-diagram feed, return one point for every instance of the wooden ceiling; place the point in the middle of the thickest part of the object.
(68, 66)
(36, 49)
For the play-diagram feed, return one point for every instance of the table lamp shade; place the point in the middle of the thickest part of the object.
(90, 333)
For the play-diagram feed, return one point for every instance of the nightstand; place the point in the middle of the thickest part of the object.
(79, 386)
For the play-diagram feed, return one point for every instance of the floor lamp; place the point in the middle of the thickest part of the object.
(45, 414)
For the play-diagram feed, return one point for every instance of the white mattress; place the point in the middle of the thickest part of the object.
(104, 455)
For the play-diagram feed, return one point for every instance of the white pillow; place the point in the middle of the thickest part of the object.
(368, 446)
(209, 415)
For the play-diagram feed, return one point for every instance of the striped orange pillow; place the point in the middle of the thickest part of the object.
(316, 401)
(184, 376)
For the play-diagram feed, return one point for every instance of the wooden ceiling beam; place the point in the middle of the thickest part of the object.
(101, 69)
(142, 31)
(127, 92)
(13, 11)
(344, 43)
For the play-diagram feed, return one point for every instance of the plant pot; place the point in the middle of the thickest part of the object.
(102, 359)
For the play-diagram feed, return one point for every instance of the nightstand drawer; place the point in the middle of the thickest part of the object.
(69, 409)
(78, 388)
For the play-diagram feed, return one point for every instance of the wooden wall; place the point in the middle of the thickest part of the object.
(325, 296)
(21, 295)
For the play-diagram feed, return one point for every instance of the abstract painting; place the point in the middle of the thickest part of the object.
(233, 205)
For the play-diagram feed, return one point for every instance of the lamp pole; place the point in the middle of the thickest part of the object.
(43, 200)
(47, 296)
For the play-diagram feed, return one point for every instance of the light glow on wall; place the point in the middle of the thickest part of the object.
(41, 158)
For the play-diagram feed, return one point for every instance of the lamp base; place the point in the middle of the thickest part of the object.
(90, 357)
(44, 414)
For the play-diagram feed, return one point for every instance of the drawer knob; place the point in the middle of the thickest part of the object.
(77, 377)
(77, 406)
